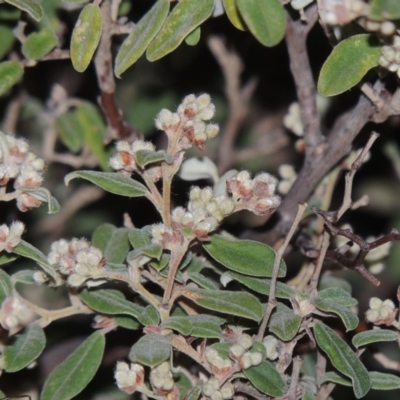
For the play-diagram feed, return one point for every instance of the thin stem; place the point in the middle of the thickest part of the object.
(297, 362)
(320, 260)
(175, 260)
(166, 195)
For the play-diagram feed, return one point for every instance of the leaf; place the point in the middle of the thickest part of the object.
(39, 44)
(102, 235)
(244, 256)
(184, 19)
(10, 73)
(109, 301)
(233, 303)
(127, 322)
(75, 372)
(7, 40)
(6, 286)
(206, 326)
(111, 182)
(374, 336)
(180, 324)
(284, 323)
(382, 10)
(32, 7)
(335, 378)
(86, 36)
(343, 358)
(194, 37)
(265, 19)
(349, 61)
(69, 131)
(149, 316)
(24, 276)
(262, 286)
(382, 381)
(266, 379)
(44, 196)
(140, 237)
(202, 280)
(232, 12)
(338, 295)
(146, 157)
(117, 247)
(329, 281)
(138, 40)
(6, 258)
(194, 394)
(151, 350)
(196, 168)
(23, 348)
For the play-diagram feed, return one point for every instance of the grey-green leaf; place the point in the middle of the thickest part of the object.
(349, 61)
(244, 256)
(343, 358)
(23, 348)
(38, 44)
(383, 10)
(86, 36)
(266, 379)
(10, 73)
(32, 7)
(180, 324)
(117, 246)
(151, 350)
(374, 336)
(265, 19)
(6, 286)
(383, 381)
(284, 323)
(74, 373)
(232, 12)
(338, 295)
(240, 304)
(127, 322)
(102, 235)
(44, 196)
(6, 258)
(144, 32)
(202, 280)
(111, 182)
(149, 316)
(69, 130)
(184, 18)
(146, 157)
(24, 276)
(206, 326)
(7, 40)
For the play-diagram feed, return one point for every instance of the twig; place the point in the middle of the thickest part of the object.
(249, 390)
(291, 394)
(320, 260)
(387, 362)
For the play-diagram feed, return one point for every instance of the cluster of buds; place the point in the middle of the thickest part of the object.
(25, 168)
(10, 237)
(213, 390)
(188, 125)
(219, 366)
(381, 312)
(271, 345)
(292, 120)
(239, 353)
(161, 379)
(256, 195)
(166, 237)
(390, 56)
(302, 305)
(288, 175)
(341, 12)
(384, 28)
(78, 260)
(129, 378)
(14, 314)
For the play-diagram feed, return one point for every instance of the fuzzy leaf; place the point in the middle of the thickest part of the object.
(194, 169)
(75, 372)
(349, 61)
(180, 324)
(6, 286)
(374, 336)
(338, 295)
(10, 73)
(265, 19)
(145, 157)
(111, 182)
(23, 348)
(244, 256)
(202, 280)
(382, 381)
(102, 235)
(184, 18)
(194, 394)
(140, 237)
(232, 12)
(233, 303)
(284, 323)
(127, 322)
(334, 377)
(329, 281)
(44, 196)
(32, 7)
(24, 276)
(38, 44)
(382, 10)
(69, 131)
(194, 37)
(117, 247)
(343, 358)
(138, 40)
(6, 258)
(7, 40)
(266, 379)
(149, 316)
(151, 350)
(206, 326)
(86, 36)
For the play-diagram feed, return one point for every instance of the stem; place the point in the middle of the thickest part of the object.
(166, 195)
(320, 260)
(175, 260)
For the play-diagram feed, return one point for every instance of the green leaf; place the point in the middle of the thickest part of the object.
(382, 10)
(6, 286)
(23, 348)
(140, 237)
(265, 19)
(109, 301)
(111, 182)
(349, 319)
(284, 323)
(338, 295)
(149, 316)
(374, 336)
(102, 235)
(233, 303)
(349, 61)
(152, 251)
(117, 247)
(69, 131)
(244, 256)
(232, 12)
(138, 40)
(10, 73)
(151, 350)
(32, 7)
(343, 358)
(329, 281)
(75, 372)
(194, 394)
(184, 19)
(202, 280)
(24, 276)
(262, 286)
(127, 322)
(7, 40)
(162, 263)
(382, 381)
(6, 258)
(266, 379)
(86, 36)
(335, 378)
(146, 157)
(180, 324)
(194, 37)
(44, 196)
(39, 44)
(206, 326)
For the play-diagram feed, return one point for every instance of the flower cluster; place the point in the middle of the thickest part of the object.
(78, 260)
(256, 195)
(239, 353)
(10, 237)
(390, 56)
(129, 378)
(219, 366)
(271, 345)
(384, 28)
(14, 314)
(381, 312)
(187, 126)
(161, 378)
(25, 168)
(212, 389)
(342, 12)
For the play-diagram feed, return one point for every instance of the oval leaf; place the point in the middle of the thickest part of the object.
(86, 36)
(6, 286)
(382, 10)
(382, 381)
(374, 336)
(111, 182)
(69, 131)
(194, 37)
(74, 373)
(136, 43)
(6, 258)
(117, 247)
(233, 303)
(180, 324)
(32, 7)
(284, 323)
(244, 256)
(145, 157)
(233, 14)
(7, 40)
(151, 350)
(338, 295)
(184, 19)
(38, 44)
(349, 61)
(10, 73)
(265, 19)
(23, 348)
(343, 358)
(206, 326)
